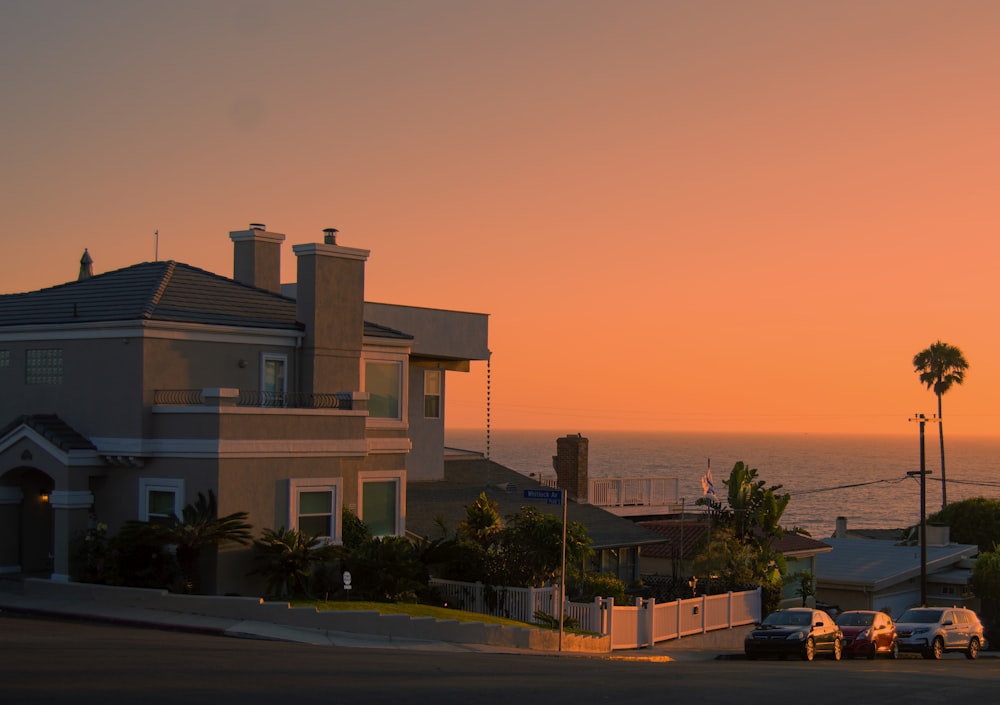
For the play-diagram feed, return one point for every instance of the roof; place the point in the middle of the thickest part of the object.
(691, 532)
(151, 291)
(160, 291)
(876, 564)
(465, 478)
(51, 428)
(683, 534)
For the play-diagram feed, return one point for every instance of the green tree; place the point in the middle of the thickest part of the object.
(532, 547)
(198, 527)
(751, 520)
(286, 558)
(986, 582)
(940, 366)
(975, 520)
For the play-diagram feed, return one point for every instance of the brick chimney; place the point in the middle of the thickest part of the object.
(257, 257)
(570, 463)
(330, 298)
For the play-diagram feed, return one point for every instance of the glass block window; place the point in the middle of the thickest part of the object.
(43, 366)
(4, 358)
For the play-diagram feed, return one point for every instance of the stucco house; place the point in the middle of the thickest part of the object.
(128, 393)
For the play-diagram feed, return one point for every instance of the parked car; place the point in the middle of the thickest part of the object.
(931, 631)
(868, 633)
(799, 631)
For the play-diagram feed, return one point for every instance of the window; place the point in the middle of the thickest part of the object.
(43, 366)
(382, 502)
(4, 358)
(383, 382)
(315, 507)
(432, 394)
(160, 499)
(272, 383)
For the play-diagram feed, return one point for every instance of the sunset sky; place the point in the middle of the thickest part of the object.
(741, 215)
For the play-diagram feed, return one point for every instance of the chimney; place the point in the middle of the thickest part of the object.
(840, 532)
(257, 257)
(330, 300)
(86, 266)
(570, 463)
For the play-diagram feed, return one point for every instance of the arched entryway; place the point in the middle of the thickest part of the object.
(27, 522)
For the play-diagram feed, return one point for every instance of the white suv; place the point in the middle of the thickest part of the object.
(930, 631)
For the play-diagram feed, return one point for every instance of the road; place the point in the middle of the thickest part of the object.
(57, 662)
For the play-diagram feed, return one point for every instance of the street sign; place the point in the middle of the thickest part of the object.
(550, 496)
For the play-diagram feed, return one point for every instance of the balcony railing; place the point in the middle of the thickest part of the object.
(257, 398)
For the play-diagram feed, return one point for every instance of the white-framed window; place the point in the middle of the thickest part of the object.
(315, 507)
(160, 499)
(382, 502)
(273, 378)
(385, 382)
(44, 366)
(432, 394)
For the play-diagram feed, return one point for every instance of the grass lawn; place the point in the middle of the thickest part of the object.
(412, 610)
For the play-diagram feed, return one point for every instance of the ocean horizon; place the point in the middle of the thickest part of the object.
(862, 478)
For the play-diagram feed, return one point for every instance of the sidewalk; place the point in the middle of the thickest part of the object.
(221, 617)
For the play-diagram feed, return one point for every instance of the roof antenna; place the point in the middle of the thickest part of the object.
(156, 245)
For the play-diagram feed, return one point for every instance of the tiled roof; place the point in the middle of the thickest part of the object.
(684, 534)
(154, 291)
(466, 478)
(53, 429)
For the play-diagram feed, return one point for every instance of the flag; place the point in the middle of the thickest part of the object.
(707, 485)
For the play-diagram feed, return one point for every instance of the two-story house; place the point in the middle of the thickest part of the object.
(128, 393)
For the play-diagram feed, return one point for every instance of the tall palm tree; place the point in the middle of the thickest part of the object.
(940, 366)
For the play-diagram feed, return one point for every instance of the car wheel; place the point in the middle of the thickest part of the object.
(937, 649)
(973, 650)
(838, 649)
(894, 650)
(809, 650)
(873, 652)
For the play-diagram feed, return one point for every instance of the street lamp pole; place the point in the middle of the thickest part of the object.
(922, 420)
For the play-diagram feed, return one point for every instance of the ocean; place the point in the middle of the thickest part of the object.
(862, 478)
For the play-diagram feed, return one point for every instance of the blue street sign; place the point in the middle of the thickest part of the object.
(550, 496)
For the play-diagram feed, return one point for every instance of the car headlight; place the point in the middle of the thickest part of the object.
(865, 634)
(921, 630)
(798, 636)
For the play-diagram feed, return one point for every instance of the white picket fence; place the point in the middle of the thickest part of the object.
(630, 626)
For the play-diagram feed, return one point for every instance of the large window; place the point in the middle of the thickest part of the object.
(382, 502)
(160, 499)
(315, 507)
(43, 366)
(432, 394)
(272, 383)
(384, 384)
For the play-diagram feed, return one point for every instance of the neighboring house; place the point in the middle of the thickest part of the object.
(684, 538)
(440, 506)
(128, 393)
(873, 574)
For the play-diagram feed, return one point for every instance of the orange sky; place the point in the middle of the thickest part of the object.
(725, 216)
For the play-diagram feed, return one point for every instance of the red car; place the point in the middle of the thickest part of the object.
(868, 634)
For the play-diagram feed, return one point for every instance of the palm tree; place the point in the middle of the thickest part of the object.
(940, 366)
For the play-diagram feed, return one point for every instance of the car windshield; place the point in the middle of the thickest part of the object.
(855, 619)
(787, 619)
(920, 616)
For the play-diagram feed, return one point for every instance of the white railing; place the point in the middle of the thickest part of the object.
(630, 626)
(634, 492)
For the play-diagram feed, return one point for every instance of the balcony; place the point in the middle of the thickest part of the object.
(344, 401)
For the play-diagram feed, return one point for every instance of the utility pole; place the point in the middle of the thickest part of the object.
(922, 421)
